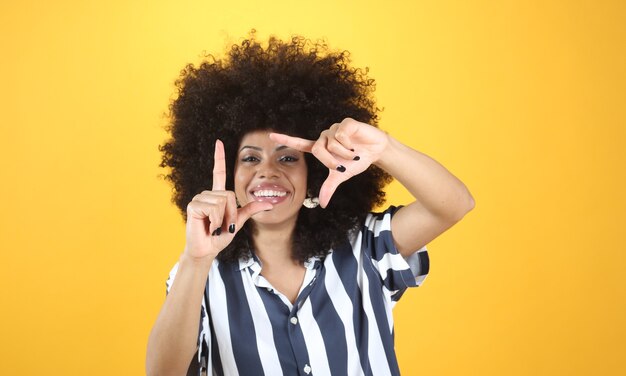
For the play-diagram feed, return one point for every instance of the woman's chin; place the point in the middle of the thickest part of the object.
(275, 216)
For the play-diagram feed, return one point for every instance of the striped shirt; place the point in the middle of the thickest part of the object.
(340, 324)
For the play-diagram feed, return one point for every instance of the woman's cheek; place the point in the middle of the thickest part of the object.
(240, 187)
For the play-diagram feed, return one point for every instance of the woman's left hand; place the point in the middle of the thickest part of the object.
(347, 149)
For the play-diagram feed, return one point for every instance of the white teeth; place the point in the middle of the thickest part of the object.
(268, 193)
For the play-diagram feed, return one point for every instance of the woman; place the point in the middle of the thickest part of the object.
(284, 268)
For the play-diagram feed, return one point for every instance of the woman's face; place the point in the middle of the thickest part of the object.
(267, 171)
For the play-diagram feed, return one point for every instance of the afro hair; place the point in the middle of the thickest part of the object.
(297, 87)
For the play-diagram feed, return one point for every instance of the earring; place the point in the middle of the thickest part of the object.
(311, 202)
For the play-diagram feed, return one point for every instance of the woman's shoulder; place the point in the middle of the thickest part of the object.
(379, 220)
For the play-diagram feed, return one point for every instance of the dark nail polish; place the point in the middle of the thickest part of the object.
(231, 228)
(217, 231)
(356, 158)
(340, 168)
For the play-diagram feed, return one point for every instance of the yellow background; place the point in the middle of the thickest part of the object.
(522, 100)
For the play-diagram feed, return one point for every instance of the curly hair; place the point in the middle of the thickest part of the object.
(299, 88)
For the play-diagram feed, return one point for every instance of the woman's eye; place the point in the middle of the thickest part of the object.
(288, 158)
(249, 158)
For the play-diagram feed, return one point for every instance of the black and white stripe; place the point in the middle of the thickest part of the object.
(340, 324)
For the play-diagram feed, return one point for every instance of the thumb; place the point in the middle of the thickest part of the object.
(328, 189)
(244, 213)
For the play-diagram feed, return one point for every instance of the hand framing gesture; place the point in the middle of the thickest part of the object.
(213, 218)
(347, 149)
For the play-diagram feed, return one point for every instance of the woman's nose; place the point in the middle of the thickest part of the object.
(268, 170)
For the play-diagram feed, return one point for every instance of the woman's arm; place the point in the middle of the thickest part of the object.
(350, 147)
(174, 336)
(213, 219)
(441, 199)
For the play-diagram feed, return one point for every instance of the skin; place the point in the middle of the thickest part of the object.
(440, 201)
(263, 162)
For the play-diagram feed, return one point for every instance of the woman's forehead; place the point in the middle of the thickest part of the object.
(257, 137)
(260, 140)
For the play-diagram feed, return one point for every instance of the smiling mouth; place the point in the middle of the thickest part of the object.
(273, 195)
(268, 193)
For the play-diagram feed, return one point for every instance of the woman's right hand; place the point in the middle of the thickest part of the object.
(213, 218)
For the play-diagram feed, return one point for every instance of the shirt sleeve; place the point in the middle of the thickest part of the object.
(198, 364)
(396, 272)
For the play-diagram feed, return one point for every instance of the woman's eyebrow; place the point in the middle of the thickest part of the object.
(279, 148)
(250, 147)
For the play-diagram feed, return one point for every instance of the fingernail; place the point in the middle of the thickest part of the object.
(217, 231)
(356, 158)
(231, 228)
(340, 168)
(351, 149)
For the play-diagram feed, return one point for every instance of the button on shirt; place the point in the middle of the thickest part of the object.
(340, 324)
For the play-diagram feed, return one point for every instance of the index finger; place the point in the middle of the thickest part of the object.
(297, 143)
(219, 167)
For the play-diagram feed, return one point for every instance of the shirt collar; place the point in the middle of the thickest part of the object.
(313, 262)
(252, 260)
(246, 261)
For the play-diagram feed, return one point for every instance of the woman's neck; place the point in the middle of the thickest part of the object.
(273, 244)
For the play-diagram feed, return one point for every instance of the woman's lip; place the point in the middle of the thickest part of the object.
(269, 187)
(271, 199)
